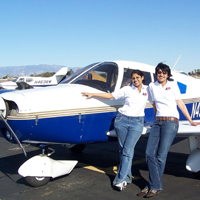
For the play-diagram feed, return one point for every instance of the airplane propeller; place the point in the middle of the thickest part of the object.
(13, 134)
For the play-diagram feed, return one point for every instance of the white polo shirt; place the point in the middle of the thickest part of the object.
(165, 98)
(135, 101)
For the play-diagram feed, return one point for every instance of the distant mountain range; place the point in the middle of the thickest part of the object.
(29, 69)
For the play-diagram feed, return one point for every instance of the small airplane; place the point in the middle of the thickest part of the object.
(61, 115)
(27, 82)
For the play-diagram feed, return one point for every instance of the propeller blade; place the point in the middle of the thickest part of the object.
(13, 134)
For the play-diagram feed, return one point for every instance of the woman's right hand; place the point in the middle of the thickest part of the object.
(89, 95)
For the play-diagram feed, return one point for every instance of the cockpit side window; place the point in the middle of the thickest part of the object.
(154, 76)
(147, 78)
(127, 77)
(113, 80)
(21, 79)
(14, 80)
(29, 80)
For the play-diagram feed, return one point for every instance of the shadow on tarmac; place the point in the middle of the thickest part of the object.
(102, 157)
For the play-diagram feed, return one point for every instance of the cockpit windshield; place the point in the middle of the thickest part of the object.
(76, 74)
(102, 77)
(14, 80)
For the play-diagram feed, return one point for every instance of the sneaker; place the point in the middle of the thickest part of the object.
(143, 192)
(152, 193)
(121, 186)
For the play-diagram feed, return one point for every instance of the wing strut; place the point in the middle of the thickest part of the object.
(13, 134)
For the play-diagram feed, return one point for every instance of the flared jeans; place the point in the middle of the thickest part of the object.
(160, 139)
(128, 130)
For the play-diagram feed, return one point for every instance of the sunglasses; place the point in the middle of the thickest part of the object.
(160, 72)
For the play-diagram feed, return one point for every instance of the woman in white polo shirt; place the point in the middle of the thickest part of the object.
(164, 96)
(128, 123)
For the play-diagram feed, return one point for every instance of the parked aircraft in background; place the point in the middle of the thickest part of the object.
(61, 115)
(27, 82)
(182, 72)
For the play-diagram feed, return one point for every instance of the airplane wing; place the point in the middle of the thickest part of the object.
(23, 86)
(145, 131)
(185, 129)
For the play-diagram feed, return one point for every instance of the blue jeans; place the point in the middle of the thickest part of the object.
(160, 139)
(128, 130)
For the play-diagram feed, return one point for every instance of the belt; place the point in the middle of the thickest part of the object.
(167, 119)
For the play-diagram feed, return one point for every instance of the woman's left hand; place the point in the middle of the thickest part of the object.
(195, 123)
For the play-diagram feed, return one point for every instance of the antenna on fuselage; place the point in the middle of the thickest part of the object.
(176, 62)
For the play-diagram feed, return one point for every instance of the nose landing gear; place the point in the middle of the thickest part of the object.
(39, 169)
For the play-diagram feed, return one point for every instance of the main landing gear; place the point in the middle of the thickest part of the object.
(77, 148)
(193, 161)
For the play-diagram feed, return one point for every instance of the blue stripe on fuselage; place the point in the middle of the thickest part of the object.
(77, 129)
(70, 129)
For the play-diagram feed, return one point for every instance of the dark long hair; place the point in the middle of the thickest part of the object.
(138, 72)
(164, 68)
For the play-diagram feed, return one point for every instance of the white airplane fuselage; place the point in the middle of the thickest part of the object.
(61, 115)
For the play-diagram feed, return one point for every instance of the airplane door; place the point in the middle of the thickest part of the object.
(127, 77)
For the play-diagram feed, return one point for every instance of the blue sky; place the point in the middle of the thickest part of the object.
(76, 33)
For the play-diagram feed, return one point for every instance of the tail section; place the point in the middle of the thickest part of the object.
(60, 74)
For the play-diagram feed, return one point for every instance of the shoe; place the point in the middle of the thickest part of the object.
(121, 186)
(143, 192)
(152, 193)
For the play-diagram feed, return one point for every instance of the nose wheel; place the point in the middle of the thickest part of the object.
(37, 181)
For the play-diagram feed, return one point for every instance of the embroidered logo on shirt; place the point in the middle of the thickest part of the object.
(168, 88)
(145, 94)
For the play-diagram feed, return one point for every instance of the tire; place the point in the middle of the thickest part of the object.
(77, 148)
(37, 181)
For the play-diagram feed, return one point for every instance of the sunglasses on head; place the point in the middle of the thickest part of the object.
(160, 72)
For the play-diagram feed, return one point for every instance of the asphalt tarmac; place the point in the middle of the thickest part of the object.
(92, 177)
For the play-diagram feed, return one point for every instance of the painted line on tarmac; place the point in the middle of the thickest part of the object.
(110, 170)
